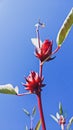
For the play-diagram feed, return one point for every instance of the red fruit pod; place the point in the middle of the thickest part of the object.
(44, 51)
(34, 83)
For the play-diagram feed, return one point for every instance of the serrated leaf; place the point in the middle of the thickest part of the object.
(33, 111)
(38, 125)
(35, 42)
(53, 117)
(65, 28)
(60, 109)
(26, 112)
(8, 89)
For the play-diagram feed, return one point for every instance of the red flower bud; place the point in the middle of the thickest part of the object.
(34, 83)
(44, 51)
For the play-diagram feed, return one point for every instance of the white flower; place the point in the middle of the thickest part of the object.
(35, 42)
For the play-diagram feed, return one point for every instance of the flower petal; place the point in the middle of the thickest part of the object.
(35, 42)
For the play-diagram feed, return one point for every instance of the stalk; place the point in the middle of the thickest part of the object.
(56, 50)
(39, 94)
(40, 102)
(40, 70)
(41, 111)
(62, 127)
(38, 36)
(31, 119)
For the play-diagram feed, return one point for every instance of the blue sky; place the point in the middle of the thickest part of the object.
(17, 20)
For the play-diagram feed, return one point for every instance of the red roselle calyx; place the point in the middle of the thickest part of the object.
(44, 51)
(34, 83)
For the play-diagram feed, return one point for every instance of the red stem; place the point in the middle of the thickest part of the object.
(40, 102)
(23, 94)
(56, 50)
(41, 111)
(40, 70)
(39, 94)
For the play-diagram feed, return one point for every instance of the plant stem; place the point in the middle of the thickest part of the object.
(38, 36)
(31, 119)
(41, 111)
(40, 101)
(62, 127)
(23, 94)
(40, 70)
(39, 94)
(56, 50)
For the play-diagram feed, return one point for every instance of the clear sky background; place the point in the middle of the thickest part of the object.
(17, 20)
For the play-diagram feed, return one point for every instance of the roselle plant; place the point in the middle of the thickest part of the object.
(60, 118)
(35, 80)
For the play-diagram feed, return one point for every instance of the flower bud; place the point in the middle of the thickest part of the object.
(44, 51)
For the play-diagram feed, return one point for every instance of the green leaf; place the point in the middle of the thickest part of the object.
(70, 123)
(26, 112)
(60, 109)
(33, 111)
(54, 118)
(71, 120)
(38, 125)
(65, 28)
(8, 89)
